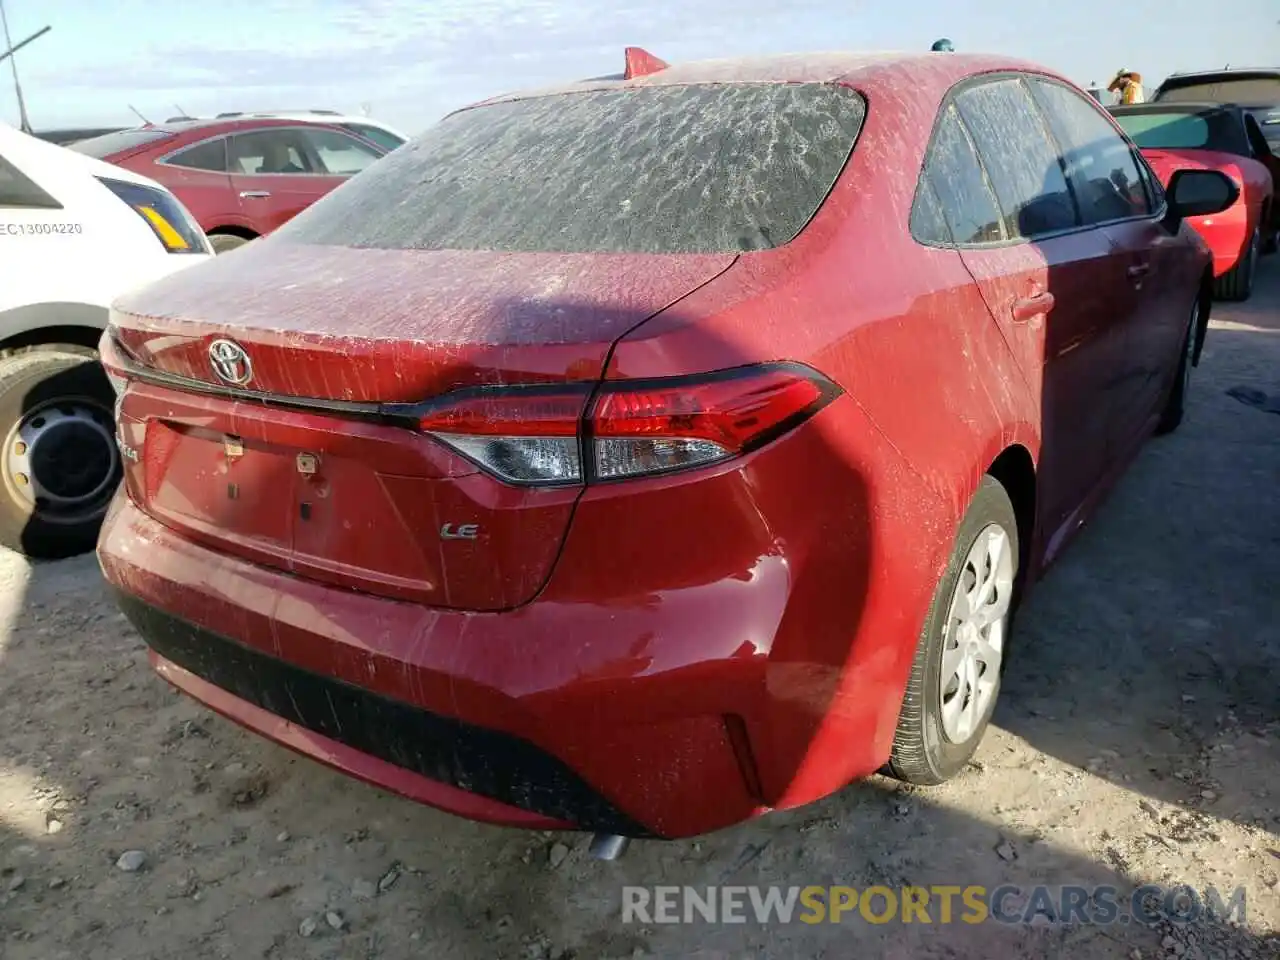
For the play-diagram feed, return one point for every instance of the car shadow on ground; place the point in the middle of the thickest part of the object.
(1162, 619)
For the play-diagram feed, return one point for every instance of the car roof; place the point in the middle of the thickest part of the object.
(250, 121)
(308, 116)
(1176, 106)
(849, 67)
(1227, 72)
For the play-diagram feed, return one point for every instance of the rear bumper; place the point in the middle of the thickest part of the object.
(664, 683)
(375, 738)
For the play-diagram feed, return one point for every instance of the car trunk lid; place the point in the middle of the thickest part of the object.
(296, 467)
(401, 326)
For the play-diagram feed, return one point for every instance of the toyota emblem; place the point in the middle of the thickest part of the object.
(230, 362)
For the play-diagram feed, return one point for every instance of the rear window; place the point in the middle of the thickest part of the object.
(1173, 130)
(1251, 90)
(671, 169)
(112, 143)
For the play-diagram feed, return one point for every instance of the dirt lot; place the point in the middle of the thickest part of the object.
(1136, 742)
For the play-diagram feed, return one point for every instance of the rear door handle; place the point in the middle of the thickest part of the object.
(1033, 306)
(254, 194)
(1139, 270)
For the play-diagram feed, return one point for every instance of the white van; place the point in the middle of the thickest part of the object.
(74, 234)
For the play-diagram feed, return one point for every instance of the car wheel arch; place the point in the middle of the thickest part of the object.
(1206, 307)
(233, 230)
(44, 325)
(1015, 469)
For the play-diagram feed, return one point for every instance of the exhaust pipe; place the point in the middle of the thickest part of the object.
(608, 846)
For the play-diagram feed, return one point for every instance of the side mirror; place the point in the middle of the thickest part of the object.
(1200, 193)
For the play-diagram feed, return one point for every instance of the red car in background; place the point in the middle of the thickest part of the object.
(243, 177)
(651, 453)
(1211, 136)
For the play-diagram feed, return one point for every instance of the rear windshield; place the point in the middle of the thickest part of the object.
(667, 169)
(1255, 90)
(1175, 129)
(117, 142)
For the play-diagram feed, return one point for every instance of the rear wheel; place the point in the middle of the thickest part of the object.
(59, 466)
(1237, 283)
(955, 679)
(1270, 234)
(222, 242)
(1175, 406)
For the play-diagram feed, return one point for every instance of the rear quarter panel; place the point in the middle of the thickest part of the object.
(206, 194)
(934, 396)
(896, 324)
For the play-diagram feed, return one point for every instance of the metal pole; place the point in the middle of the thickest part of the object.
(14, 49)
(23, 122)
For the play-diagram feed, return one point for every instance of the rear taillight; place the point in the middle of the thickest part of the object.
(524, 436)
(166, 217)
(628, 429)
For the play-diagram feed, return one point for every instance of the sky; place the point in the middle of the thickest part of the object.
(409, 62)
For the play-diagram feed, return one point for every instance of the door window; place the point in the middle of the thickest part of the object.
(1020, 158)
(963, 191)
(340, 154)
(211, 156)
(1100, 163)
(270, 151)
(19, 190)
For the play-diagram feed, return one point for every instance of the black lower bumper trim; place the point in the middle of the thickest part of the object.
(486, 762)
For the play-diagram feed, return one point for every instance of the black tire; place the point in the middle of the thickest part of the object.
(1237, 283)
(56, 384)
(922, 752)
(1175, 407)
(1270, 241)
(222, 242)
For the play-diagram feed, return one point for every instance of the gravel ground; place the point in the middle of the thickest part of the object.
(1136, 742)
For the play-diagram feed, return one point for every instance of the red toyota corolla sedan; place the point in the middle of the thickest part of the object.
(644, 455)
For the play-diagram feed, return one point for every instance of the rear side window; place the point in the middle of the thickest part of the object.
(121, 140)
(211, 156)
(1099, 161)
(667, 169)
(376, 135)
(928, 223)
(964, 193)
(19, 190)
(340, 154)
(1020, 158)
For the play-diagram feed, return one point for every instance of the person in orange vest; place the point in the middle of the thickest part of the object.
(1128, 85)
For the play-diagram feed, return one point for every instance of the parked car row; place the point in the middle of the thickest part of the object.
(244, 175)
